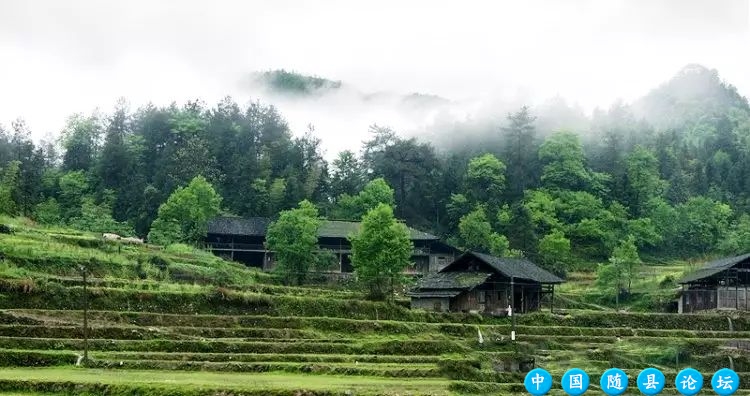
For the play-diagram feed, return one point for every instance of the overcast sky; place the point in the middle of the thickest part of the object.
(60, 57)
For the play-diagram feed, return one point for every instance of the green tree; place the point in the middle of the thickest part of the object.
(381, 250)
(294, 240)
(80, 139)
(520, 150)
(191, 207)
(737, 240)
(485, 179)
(564, 163)
(643, 180)
(700, 224)
(348, 175)
(375, 192)
(98, 218)
(48, 212)
(554, 251)
(74, 187)
(9, 186)
(623, 267)
(476, 234)
(165, 232)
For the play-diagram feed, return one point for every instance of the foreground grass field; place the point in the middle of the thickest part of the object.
(175, 380)
(179, 321)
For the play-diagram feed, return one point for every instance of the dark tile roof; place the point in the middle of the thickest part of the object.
(433, 293)
(514, 267)
(459, 280)
(251, 226)
(342, 229)
(713, 268)
(257, 226)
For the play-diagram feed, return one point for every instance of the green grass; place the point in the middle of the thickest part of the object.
(236, 381)
(188, 328)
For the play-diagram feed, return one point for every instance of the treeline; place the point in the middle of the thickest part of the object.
(672, 181)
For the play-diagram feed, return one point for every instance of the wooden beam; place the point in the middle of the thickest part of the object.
(552, 300)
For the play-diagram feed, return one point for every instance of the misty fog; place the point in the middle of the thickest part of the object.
(482, 59)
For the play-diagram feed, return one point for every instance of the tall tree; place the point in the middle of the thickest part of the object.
(80, 139)
(477, 234)
(9, 187)
(564, 163)
(294, 240)
(115, 167)
(374, 193)
(381, 250)
(485, 179)
(520, 151)
(643, 180)
(348, 175)
(191, 208)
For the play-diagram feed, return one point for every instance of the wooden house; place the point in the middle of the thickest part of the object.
(720, 284)
(477, 282)
(243, 240)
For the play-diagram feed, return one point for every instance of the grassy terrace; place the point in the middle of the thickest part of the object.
(178, 321)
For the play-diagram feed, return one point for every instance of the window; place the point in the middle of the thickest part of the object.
(482, 297)
(437, 306)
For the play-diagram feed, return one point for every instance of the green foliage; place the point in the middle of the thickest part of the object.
(191, 208)
(701, 223)
(520, 150)
(164, 232)
(644, 182)
(476, 234)
(737, 240)
(48, 212)
(554, 251)
(374, 193)
(98, 218)
(485, 178)
(9, 188)
(381, 250)
(294, 238)
(622, 268)
(564, 163)
(74, 187)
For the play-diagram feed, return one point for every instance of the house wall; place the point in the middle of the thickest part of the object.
(438, 304)
(733, 298)
(494, 298)
(698, 300)
(438, 261)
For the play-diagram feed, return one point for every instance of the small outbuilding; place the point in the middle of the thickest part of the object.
(477, 282)
(720, 284)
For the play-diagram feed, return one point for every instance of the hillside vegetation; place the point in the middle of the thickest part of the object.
(179, 321)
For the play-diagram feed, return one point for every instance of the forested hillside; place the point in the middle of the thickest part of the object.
(667, 175)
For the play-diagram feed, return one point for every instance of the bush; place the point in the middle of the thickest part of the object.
(460, 369)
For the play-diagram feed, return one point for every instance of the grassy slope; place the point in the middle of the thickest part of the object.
(293, 331)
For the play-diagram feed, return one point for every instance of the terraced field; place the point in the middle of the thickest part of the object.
(246, 335)
(261, 354)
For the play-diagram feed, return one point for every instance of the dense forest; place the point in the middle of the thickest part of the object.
(668, 173)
